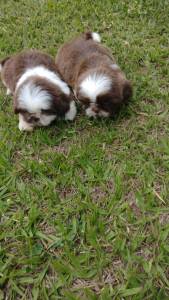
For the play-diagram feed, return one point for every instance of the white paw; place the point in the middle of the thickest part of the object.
(90, 113)
(8, 92)
(70, 115)
(23, 125)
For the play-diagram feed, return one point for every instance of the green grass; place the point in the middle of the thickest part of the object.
(84, 206)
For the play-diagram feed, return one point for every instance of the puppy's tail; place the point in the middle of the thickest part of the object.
(93, 36)
(2, 62)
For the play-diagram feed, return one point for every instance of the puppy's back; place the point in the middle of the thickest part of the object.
(13, 67)
(81, 53)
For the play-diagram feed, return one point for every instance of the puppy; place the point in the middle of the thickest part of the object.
(97, 81)
(39, 93)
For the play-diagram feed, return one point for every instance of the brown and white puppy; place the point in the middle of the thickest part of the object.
(91, 71)
(39, 93)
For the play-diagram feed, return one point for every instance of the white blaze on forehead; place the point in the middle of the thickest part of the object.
(32, 98)
(47, 74)
(94, 85)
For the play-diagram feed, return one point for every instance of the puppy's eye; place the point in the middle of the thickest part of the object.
(33, 119)
(47, 111)
(85, 101)
(104, 103)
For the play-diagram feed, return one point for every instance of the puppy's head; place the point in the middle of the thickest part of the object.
(38, 102)
(103, 91)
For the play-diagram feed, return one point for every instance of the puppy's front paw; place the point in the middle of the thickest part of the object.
(90, 112)
(8, 92)
(70, 115)
(23, 125)
(25, 128)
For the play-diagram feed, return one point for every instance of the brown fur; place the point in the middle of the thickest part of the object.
(60, 103)
(83, 56)
(14, 67)
(80, 55)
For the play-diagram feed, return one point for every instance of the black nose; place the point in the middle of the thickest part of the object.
(33, 119)
(95, 109)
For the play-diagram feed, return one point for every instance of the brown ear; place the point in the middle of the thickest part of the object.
(3, 61)
(61, 104)
(127, 91)
(16, 107)
(18, 110)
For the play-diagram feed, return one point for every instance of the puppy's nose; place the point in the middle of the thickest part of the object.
(95, 109)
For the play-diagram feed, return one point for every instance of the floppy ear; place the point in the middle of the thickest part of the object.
(61, 104)
(18, 110)
(3, 61)
(15, 104)
(127, 91)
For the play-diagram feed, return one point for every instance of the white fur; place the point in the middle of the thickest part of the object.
(103, 113)
(0, 67)
(44, 73)
(32, 98)
(94, 85)
(90, 112)
(115, 67)
(4, 83)
(8, 92)
(96, 37)
(70, 115)
(23, 125)
(45, 120)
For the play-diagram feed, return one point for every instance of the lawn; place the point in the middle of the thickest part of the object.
(84, 205)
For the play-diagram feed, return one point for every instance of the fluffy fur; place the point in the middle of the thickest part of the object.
(23, 125)
(40, 95)
(96, 37)
(27, 95)
(94, 85)
(45, 73)
(91, 71)
(71, 113)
